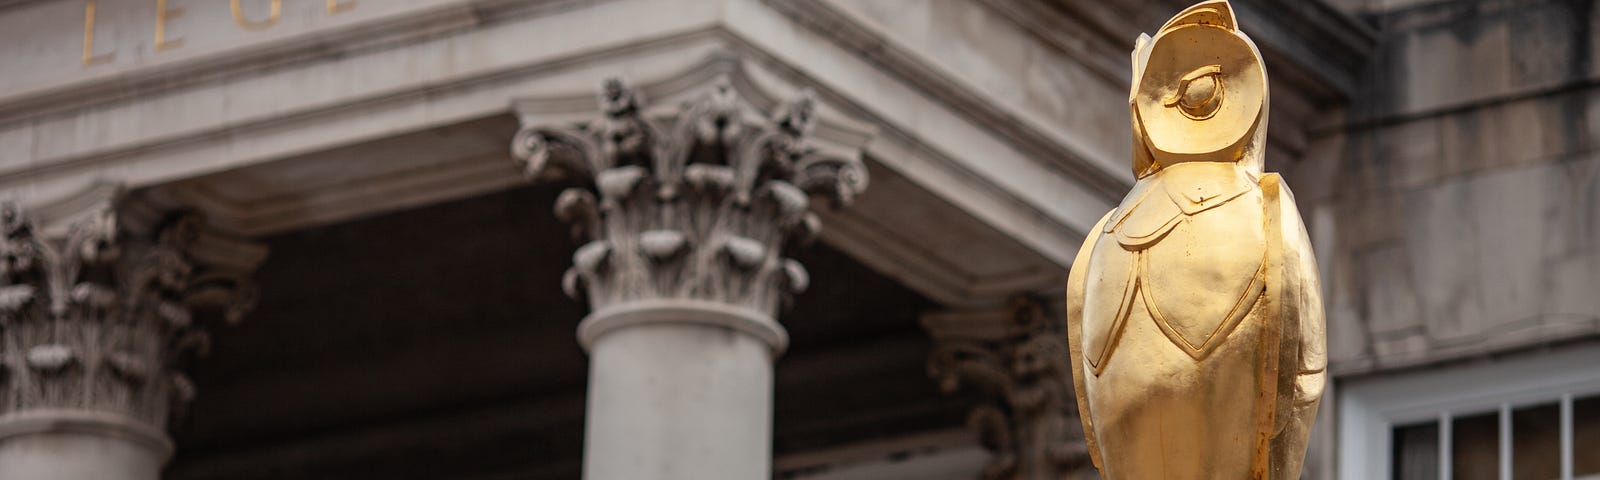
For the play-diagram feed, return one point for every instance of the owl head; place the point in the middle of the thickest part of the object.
(1199, 93)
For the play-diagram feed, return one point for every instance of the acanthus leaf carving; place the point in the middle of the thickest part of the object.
(663, 245)
(578, 207)
(572, 284)
(617, 185)
(697, 203)
(714, 180)
(50, 357)
(744, 253)
(13, 298)
(130, 366)
(796, 277)
(92, 316)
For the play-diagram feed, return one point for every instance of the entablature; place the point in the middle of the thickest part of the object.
(331, 116)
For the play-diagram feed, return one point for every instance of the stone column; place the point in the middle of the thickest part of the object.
(1015, 360)
(96, 315)
(686, 214)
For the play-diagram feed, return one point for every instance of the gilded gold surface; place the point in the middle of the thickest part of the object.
(1194, 311)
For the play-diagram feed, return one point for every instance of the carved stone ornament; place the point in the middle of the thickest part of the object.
(1026, 416)
(97, 317)
(694, 204)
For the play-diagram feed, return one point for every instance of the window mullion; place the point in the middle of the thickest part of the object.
(1566, 437)
(1445, 447)
(1505, 441)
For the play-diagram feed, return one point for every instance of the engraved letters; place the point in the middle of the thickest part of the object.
(246, 15)
(162, 15)
(336, 6)
(248, 24)
(89, 58)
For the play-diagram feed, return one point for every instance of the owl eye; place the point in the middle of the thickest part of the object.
(1199, 93)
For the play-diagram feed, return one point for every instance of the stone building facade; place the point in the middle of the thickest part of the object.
(1458, 243)
(549, 239)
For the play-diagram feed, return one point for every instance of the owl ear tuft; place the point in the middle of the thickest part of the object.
(1141, 55)
(1217, 13)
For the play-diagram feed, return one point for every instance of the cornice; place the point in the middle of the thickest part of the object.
(178, 70)
(978, 177)
(1100, 50)
(183, 69)
(1330, 45)
(840, 128)
(911, 68)
(8, 4)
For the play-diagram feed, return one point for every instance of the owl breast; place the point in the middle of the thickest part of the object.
(1174, 328)
(1187, 252)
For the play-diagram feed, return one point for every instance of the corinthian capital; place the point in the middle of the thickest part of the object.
(693, 203)
(99, 306)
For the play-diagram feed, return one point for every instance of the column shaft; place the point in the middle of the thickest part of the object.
(679, 401)
(684, 222)
(77, 456)
(79, 445)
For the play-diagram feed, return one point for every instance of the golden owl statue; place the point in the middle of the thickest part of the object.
(1194, 311)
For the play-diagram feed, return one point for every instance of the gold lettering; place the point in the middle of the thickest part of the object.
(162, 15)
(336, 6)
(89, 58)
(238, 16)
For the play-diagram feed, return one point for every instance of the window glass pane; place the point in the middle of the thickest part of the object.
(1586, 436)
(1536, 442)
(1475, 445)
(1416, 452)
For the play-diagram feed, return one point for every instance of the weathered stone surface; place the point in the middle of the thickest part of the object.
(686, 216)
(1466, 263)
(1027, 418)
(101, 306)
(696, 206)
(97, 453)
(1050, 87)
(1461, 188)
(97, 318)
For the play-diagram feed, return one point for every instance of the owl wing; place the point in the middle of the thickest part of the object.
(1303, 350)
(1302, 295)
(1075, 295)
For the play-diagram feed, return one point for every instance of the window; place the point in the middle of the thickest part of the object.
(1534, 417)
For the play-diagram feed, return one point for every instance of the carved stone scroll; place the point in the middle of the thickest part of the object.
(685, 215)
(97, 314)
(1026, 416)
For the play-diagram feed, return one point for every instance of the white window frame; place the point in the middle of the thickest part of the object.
(1369, 409)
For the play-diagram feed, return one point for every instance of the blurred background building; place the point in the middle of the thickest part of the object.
(339, 175)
